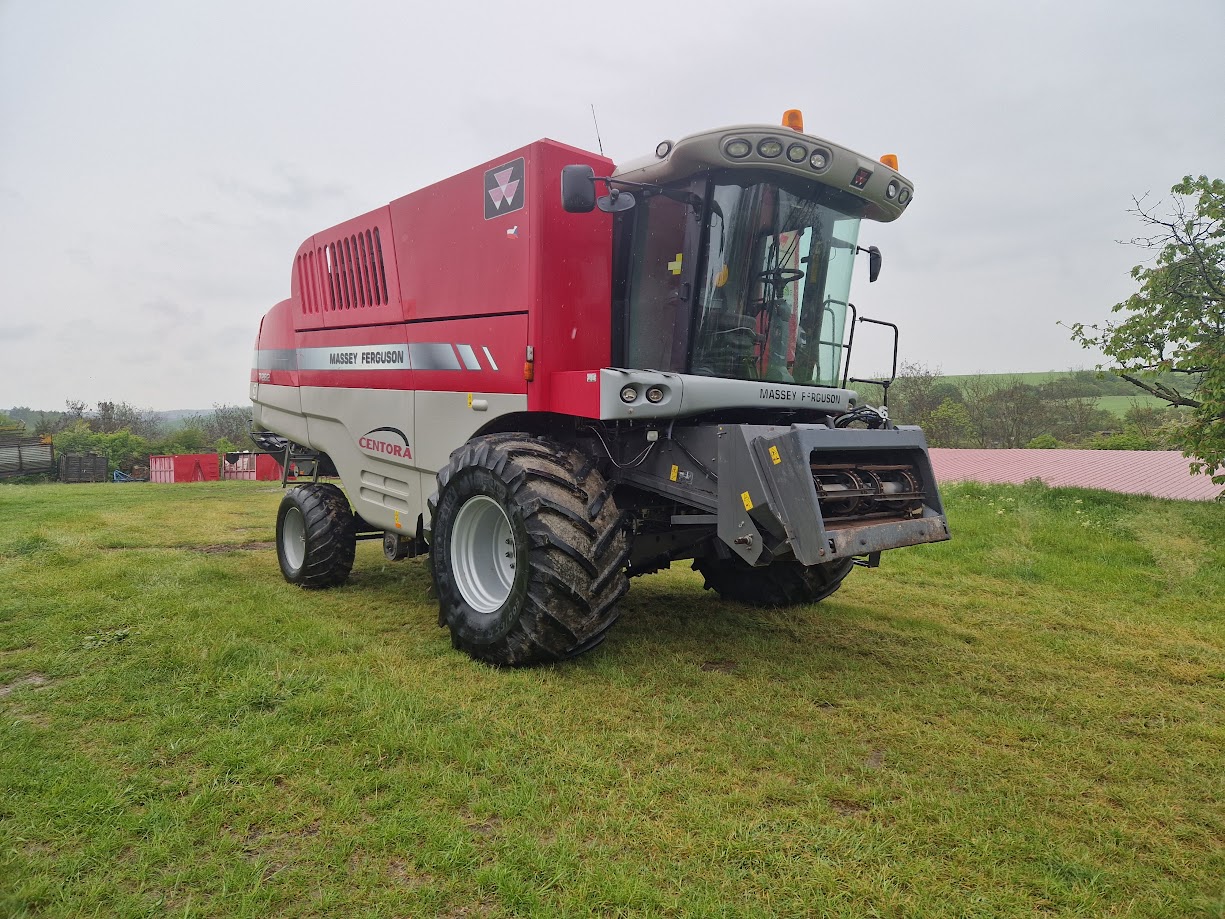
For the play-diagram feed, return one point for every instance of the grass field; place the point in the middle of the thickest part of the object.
(1034, 378)
(1029, 720)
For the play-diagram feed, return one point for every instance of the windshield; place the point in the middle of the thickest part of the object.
(777, 273)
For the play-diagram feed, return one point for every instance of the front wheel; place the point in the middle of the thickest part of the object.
(786, 583)
(527, 551)
(316, 536)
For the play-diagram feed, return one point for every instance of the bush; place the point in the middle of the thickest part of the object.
(1044, 442)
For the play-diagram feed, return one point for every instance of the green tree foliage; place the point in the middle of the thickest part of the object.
(229, 423)
(122, 449)
(1175, 323)
(120, 416)
(995, 410)
(949, 424)
(922, 396)
(187, 439)
(1044, 442)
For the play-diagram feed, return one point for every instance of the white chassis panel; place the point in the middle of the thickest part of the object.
(359, 429)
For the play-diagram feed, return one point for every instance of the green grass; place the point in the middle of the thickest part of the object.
(1120, 405)
(1033, 378)
(1028, 720)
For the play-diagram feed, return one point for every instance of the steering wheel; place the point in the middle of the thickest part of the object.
(780, 277)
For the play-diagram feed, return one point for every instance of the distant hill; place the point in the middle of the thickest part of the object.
(1111, 393)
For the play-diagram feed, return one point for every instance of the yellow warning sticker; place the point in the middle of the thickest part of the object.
(774, 456)
(397, 520)
(675, 267)
(748, 502)
(675, 470)
(469, 400)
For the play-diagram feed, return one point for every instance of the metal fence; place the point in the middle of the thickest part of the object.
(26, 456)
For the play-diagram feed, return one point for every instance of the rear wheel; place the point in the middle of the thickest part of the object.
(786, 583)
(527, 551)
(315, 536)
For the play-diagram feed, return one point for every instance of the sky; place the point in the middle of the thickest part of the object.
(161, 162)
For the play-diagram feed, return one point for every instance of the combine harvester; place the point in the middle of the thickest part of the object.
(550, 392)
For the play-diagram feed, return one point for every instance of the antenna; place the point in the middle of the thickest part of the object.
(597, 129)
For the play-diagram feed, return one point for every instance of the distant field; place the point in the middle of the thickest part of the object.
(1118, 405)
(1027, 721)
(1033, 379)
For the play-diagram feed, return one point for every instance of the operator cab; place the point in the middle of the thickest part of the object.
(737, 260)
(744, 276)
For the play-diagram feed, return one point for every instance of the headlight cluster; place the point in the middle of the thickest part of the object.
(770, 148)
(653, 394)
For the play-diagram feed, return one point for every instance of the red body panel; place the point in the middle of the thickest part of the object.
(571, 328)
(576, 392)
(455, 262)
(472, 287)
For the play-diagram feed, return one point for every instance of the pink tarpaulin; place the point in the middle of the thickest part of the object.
(1161, 473)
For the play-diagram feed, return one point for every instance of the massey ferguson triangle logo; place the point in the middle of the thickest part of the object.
(504, 189)
(390, 442)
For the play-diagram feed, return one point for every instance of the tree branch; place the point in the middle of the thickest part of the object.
(1165, 393)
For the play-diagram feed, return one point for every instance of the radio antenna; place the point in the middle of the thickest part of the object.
(597, 129)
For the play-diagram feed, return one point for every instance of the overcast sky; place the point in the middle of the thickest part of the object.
(160, 162)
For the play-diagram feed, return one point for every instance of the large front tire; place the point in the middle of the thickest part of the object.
(786, 583)
(527, 551)
(316, 536)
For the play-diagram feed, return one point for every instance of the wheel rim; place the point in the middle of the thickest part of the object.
(483, 554)
(293, 538)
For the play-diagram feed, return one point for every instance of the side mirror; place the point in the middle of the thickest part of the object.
(578, 189)
(874, 262)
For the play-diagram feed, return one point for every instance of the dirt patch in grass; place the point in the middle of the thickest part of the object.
(33, 680)
(845, 808)
(232, 547)
(404, 874)
(487, 826)
(207, 549)
(719, 666)
(485, 907)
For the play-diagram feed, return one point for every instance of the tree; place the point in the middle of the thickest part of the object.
(949, 425)
(1072, 418)
(120, 416)
(229, 423)
(917, 392)
(1175, 323)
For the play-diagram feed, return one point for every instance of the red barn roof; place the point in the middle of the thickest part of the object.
(1161, 473)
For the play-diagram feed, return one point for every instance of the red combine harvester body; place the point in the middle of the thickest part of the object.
(549, 397)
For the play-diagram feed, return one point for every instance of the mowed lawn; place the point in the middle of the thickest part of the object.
(1029, 720)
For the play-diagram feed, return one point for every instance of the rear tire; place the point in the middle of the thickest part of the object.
(527, 551)
(786, 583)
(316, 536)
